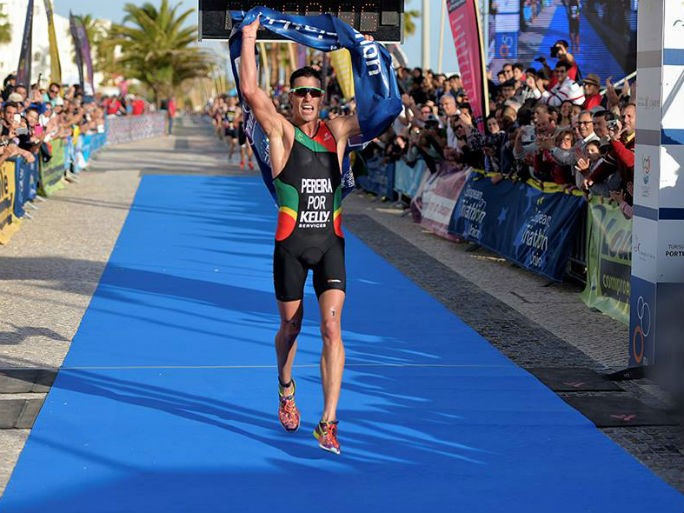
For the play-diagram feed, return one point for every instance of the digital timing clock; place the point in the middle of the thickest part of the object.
(383, 19)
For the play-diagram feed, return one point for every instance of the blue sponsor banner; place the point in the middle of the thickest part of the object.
(520, 222)
(407, 178)
(379, 178)
(26, 184)
(69, 152)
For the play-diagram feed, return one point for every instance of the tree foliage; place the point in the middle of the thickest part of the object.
(5, 29)
(157, 47)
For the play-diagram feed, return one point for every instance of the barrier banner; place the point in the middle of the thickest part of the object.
(609, 260)
(124, 129)
(52, 172)
(68, 153)
(435, 200)
(8, 223)
(26, 182)
(379, 178)
(532, 227)
(407, 179)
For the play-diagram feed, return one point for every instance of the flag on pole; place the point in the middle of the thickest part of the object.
(341, 61)
(465, 26)
(78, 32)
(55, 66)
(25, 54)
(77, 47)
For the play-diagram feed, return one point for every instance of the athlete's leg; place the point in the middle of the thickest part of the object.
(291, 313)
(332, 356)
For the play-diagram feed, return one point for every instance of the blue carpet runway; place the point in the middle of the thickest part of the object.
(167, 399)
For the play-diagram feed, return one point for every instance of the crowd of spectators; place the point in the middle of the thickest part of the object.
(32, 117)
(546, 123)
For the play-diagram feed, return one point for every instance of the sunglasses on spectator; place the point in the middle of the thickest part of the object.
(426, 111)
(585, 122)
(301, 92)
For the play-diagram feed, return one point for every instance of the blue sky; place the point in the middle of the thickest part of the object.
(113, 10)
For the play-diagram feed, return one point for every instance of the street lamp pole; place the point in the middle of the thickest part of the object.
(426, 34)
(441, 37)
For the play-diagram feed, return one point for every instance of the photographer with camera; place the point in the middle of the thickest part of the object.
(559, 51)
(617, 168)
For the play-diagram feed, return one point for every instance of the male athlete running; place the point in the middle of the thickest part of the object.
(306, 158)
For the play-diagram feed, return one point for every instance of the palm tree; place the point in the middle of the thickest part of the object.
(409, 24)
(158, 48)
(5, 29)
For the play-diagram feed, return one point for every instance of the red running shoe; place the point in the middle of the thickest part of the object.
(288, 414)
(251, 166)
(326, 434)
(242, 164)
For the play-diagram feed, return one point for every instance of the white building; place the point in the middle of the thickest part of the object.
(9, 53)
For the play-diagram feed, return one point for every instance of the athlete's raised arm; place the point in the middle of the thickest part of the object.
(259, 102)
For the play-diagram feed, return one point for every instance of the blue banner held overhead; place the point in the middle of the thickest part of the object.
(520, 222)
(377, 107)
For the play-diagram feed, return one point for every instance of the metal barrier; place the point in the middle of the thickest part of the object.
(577, 263)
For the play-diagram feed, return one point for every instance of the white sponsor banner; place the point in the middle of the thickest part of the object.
(671, 252)
(644, 249)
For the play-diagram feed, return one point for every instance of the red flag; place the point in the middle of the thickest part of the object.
(465, 26)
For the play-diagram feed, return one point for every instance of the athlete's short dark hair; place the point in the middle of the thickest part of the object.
(306, 71)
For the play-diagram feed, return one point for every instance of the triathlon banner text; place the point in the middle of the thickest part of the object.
(519, 221)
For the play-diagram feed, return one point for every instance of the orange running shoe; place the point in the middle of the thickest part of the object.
(326, 434)
(288, 414)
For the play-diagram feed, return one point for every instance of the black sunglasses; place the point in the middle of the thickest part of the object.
(315, 92)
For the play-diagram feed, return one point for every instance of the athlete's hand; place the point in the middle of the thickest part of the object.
(368, 37)
(251, 29)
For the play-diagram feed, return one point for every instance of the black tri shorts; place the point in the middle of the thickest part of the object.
(291, 265)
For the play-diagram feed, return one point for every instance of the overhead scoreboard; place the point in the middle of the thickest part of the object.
(383, 19)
